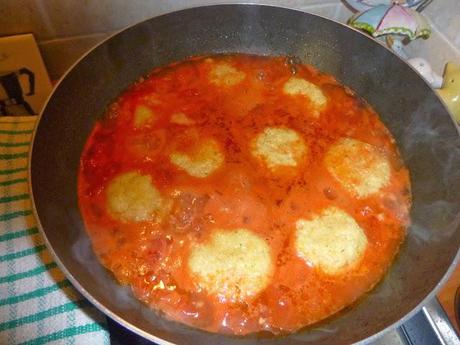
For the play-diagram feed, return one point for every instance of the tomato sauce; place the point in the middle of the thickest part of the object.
(151, 256)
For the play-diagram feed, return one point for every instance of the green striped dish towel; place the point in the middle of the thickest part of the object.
(38, 305)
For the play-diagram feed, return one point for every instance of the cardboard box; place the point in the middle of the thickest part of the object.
(24, 82)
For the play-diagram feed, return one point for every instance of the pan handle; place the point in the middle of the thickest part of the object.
(31, 77)
(431, 326)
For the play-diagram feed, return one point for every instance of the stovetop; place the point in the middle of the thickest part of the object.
(430, 326)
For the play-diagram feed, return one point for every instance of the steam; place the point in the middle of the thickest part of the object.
(315, 334)
(432, 151)
(83, 252)
(440, 212)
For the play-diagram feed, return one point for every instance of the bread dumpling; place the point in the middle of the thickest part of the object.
(358, 166)
(298, 86)
(143, 115)
(181, 119)
(279, 146)
(132, 197)
(332, 241)
(224, 74)
(202, 161)
(233, 264)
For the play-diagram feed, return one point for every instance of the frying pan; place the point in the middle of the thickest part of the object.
(425, 132)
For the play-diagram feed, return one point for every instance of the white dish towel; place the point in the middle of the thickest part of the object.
(38, 305)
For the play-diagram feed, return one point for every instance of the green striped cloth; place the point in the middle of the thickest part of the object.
(38, 305)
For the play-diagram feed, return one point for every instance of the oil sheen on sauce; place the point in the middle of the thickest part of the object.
(239, 194)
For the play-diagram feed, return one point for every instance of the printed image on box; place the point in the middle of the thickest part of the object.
(24, 82)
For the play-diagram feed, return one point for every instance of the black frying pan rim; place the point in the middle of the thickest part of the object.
(150, 336)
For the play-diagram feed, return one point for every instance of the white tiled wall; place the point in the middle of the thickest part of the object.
(66, 29)
(444, 43)
(50, 19)
(445, 14)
